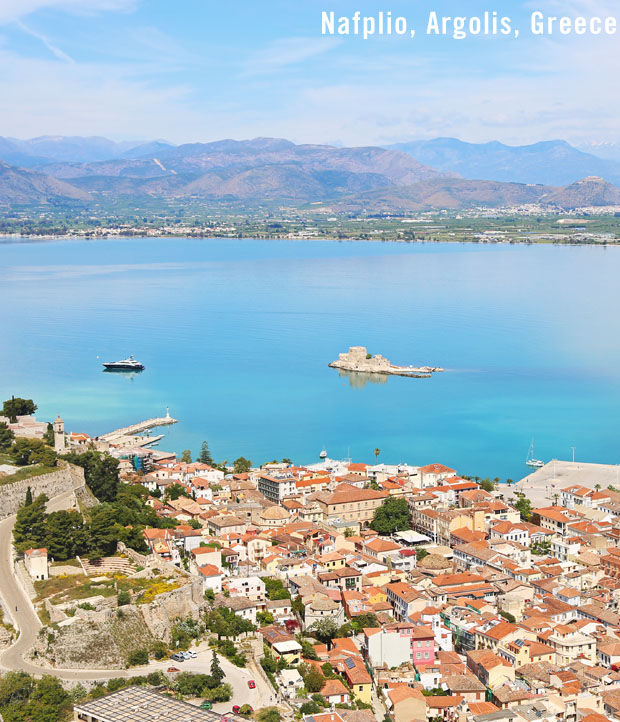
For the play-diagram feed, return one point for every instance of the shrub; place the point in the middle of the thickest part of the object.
(138, 657)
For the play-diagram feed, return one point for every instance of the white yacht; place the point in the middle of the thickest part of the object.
(128, 364)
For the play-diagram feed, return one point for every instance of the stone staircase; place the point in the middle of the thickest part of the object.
(108, 565)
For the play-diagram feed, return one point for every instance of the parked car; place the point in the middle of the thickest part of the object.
(206, 705)
(192, 654)
(178, 657)
(186, 655)
(251, 684)
(173, 669)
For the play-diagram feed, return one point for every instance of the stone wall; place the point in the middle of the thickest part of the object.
(66, 478)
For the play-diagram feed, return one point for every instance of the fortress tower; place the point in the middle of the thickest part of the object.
(59, 435)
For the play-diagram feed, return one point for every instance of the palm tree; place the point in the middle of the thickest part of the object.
(510, 482)
(376, 452)
(597, 487)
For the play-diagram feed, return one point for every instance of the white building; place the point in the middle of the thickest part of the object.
(387, 648)
(36, 563)
(275, 488)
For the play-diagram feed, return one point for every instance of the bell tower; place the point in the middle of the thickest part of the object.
(59, 435)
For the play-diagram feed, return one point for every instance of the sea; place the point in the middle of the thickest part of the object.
(236, 336)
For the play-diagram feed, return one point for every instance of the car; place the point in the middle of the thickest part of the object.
(192, 655)
(173, 669)
(186, 655)
(206, 705)
(178, 657)
(251, 684)
(236, 708)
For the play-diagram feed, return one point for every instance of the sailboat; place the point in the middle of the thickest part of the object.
(531, 461)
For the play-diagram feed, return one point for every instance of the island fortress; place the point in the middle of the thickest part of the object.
(358, 359)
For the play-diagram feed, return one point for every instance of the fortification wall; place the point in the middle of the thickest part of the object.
(66, 478)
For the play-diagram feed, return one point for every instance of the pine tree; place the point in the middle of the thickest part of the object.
(205, 455)
(216, 671)
(28, 501)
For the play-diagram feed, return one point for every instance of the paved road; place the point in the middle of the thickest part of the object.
(26, 620)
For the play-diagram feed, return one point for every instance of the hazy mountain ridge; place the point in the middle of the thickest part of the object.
(36, 152)
(274, 169)
(18, 185)
(552, 162)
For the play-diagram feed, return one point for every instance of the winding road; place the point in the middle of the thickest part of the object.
(20, 609)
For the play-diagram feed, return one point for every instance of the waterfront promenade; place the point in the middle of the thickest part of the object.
(542, 484)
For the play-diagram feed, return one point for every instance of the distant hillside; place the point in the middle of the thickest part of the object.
(251, 169)
(18, 185)
(459, 193)
(549, 163)
(443, 193)
(591, 191)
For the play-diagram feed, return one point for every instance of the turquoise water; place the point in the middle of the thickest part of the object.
(236, 336)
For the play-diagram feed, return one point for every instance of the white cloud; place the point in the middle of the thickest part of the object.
(11, 10)
(285, 52)
(56, 51)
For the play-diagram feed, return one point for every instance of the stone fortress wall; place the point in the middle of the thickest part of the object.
(66, 478)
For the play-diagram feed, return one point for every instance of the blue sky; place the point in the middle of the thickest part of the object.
(200, 70)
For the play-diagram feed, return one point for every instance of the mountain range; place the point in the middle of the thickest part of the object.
(553, 162)
(442, 173)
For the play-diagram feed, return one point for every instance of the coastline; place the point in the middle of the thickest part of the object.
(8, 238)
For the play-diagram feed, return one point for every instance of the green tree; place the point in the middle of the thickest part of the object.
(6, 437)
(103, 531)
(32, 451)
(298, 606)
(376, 452)
(48, 436)
(487, 485)
(242, 465)
(310, 707)
(100, 473)
(18, 407)
(216, 670)
(15, 687)
(123, 598)
(313, 678)
(523, 505)
(65, 535)
(49, 702)
(421, 553)
(43, 455)
(205, 455)
(325, 630)
(29, 529)
(393, 515)
(186, 456)
(174, 491)
(28, 500)
(364, 621)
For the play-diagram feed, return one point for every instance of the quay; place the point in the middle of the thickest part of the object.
(138, 428)
(542, 485)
